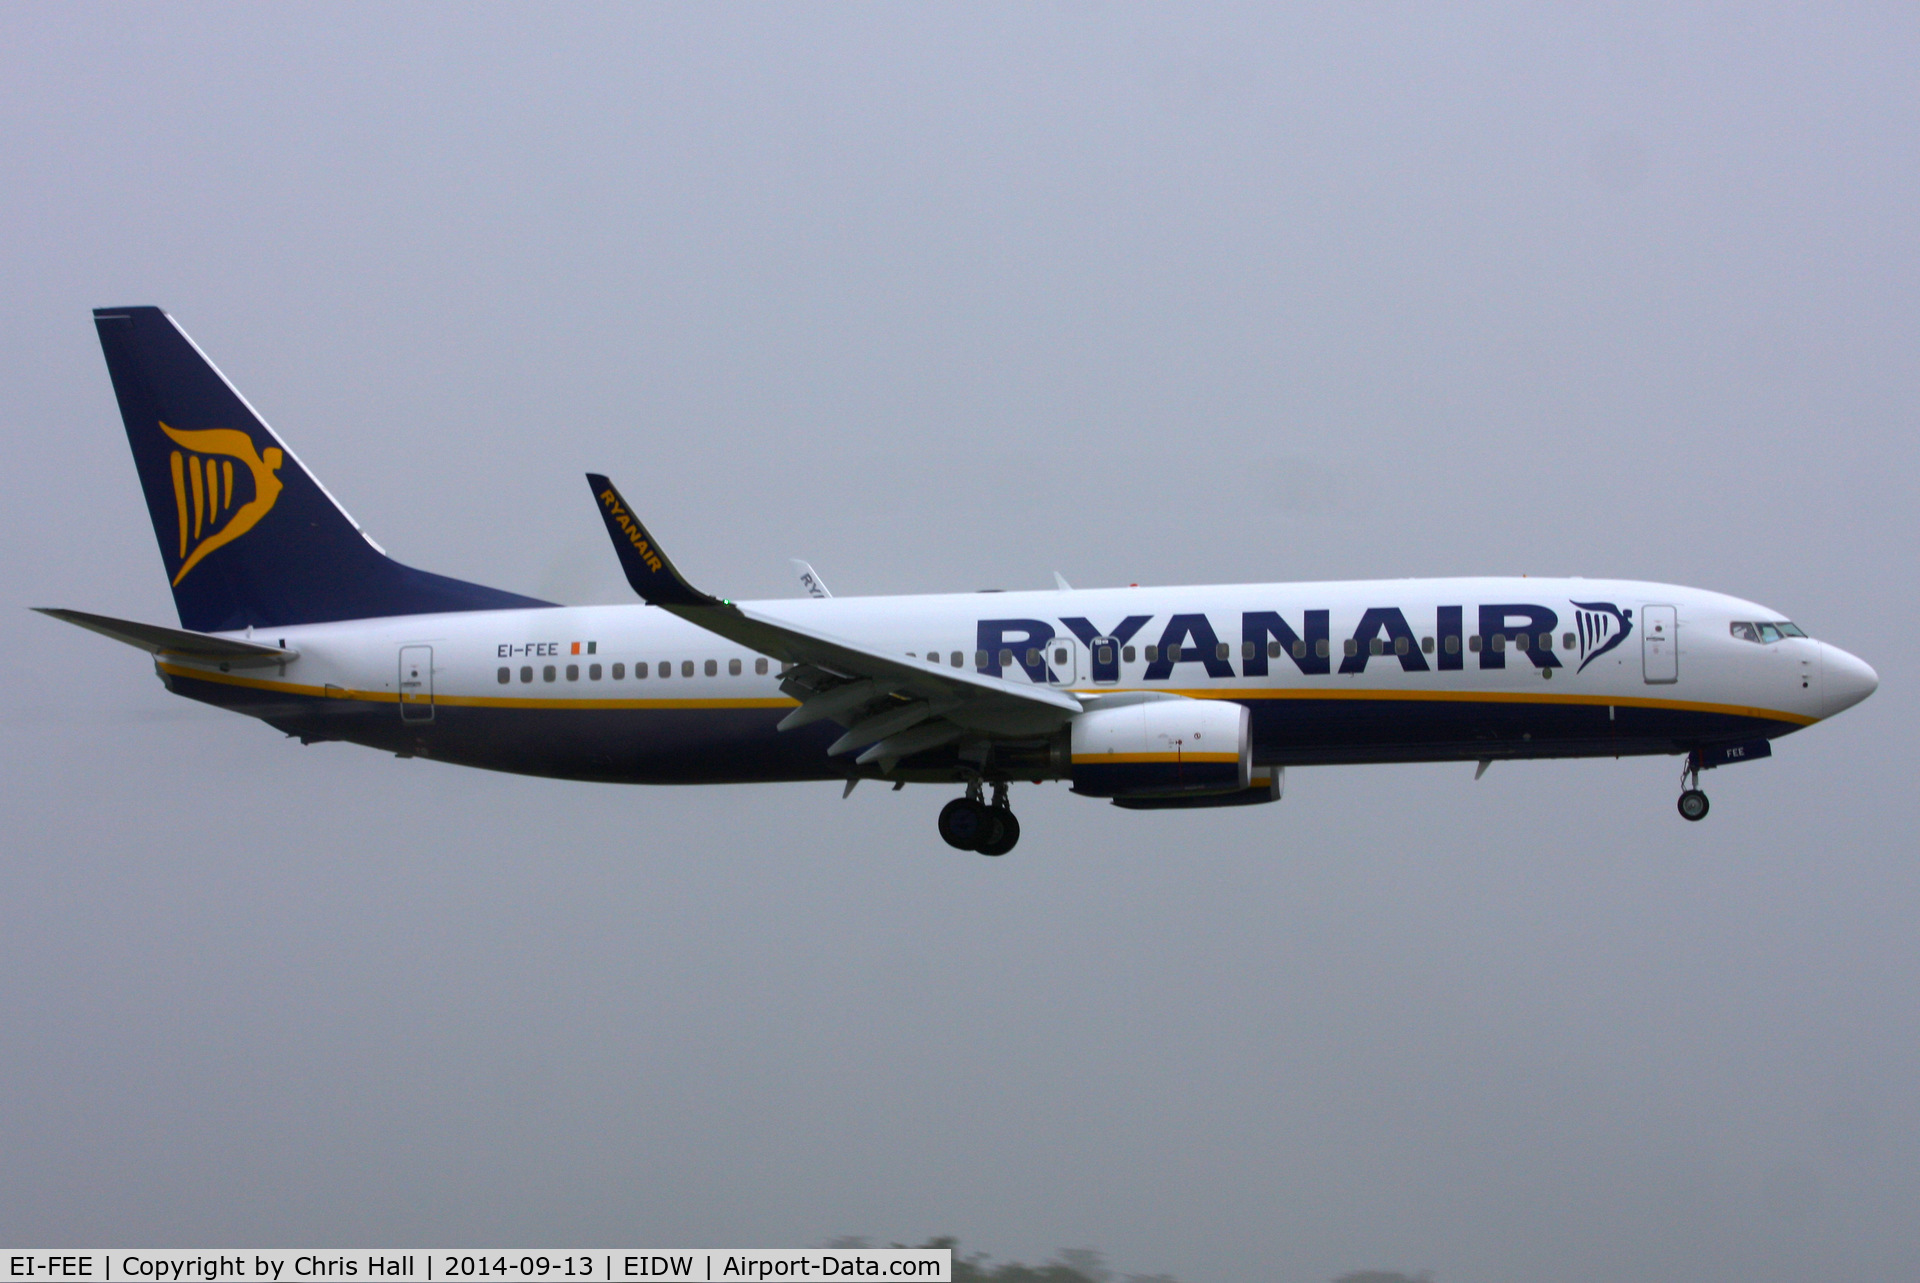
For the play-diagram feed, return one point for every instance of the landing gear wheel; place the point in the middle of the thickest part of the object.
(963, 823)
(1009, 834)
(1693, 805)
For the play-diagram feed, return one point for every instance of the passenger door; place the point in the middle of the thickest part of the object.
(1659, 644)
(416, 683)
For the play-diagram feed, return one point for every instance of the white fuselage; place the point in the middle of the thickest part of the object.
(1441, 658)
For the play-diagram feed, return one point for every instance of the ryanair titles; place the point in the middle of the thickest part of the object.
(1268, 637)
(618, 514)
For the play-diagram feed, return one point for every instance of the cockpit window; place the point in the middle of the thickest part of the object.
(1764, 630)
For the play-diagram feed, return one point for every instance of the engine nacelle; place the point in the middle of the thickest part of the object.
(1269, 783)
(1162, 747)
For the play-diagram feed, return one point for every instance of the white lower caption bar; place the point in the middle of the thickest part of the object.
(472, 1264)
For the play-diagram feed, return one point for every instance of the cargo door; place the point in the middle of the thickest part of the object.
(1659, 644)
(416, 683)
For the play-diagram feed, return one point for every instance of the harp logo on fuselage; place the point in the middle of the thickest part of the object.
(214, 501)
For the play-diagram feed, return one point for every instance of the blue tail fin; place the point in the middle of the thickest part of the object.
(247, 535)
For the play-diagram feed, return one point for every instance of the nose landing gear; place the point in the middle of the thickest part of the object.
(970, 824)
(1693, 803)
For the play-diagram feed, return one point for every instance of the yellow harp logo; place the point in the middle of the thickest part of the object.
(203, 495)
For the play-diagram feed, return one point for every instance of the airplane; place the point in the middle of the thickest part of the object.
(1151, 698)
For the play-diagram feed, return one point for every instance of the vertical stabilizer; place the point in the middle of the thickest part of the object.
(247, 535)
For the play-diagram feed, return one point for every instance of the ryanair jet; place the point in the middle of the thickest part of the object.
(1152, 698)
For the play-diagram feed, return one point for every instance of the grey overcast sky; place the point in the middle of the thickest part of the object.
(948, 297)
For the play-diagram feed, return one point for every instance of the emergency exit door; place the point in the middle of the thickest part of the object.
(416, 683)
(1659, 644)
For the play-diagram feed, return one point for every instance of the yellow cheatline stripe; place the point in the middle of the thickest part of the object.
(1129, 759)
(1485, 697)
(462, 701)
(780, 701)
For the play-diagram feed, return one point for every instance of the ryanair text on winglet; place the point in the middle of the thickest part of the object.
(635, 536)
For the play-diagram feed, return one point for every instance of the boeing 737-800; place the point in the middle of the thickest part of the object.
(1152, 698)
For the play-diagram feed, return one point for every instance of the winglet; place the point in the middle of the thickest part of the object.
(809, 578)
(648, 569)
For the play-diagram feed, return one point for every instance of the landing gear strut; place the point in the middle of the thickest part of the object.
(970, 824)
(1693, 803)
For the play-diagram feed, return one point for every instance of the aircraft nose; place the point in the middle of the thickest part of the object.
(1845, 679)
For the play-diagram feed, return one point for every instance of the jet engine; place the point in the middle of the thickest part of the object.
(1162, 747)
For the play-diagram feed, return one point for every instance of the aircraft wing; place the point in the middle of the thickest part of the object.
(891, 706)
(178, 642)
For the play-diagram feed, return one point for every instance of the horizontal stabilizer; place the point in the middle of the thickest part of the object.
(177, 642)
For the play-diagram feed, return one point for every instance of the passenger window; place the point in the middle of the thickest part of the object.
(1126, 654)
(1006, 659)
(733, 668)
(1376, 646)
(1221, 651)
(1151, 652)
(526, 673)
(1521, 641)
(1499, 641)
(1299, 648)
(1060, 657)
(959, 661)
(506, 675)
(1033, 656)
(1246, 650)
(933, 657)
(760, 666)
(1426, 645)
(1352, 647)
(547, 674)
(1473, 643)
(713, 669)
(573, 672)
(1400, 645)
(1453, 644)
(1321, 648)
(666, 668)
(979, 659)
(1546, 641)
(620, 673)
(1172, 654)
(1566, 641)
(593, 672)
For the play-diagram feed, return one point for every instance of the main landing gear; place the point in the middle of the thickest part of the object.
(1693, 803)
(970, 824)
